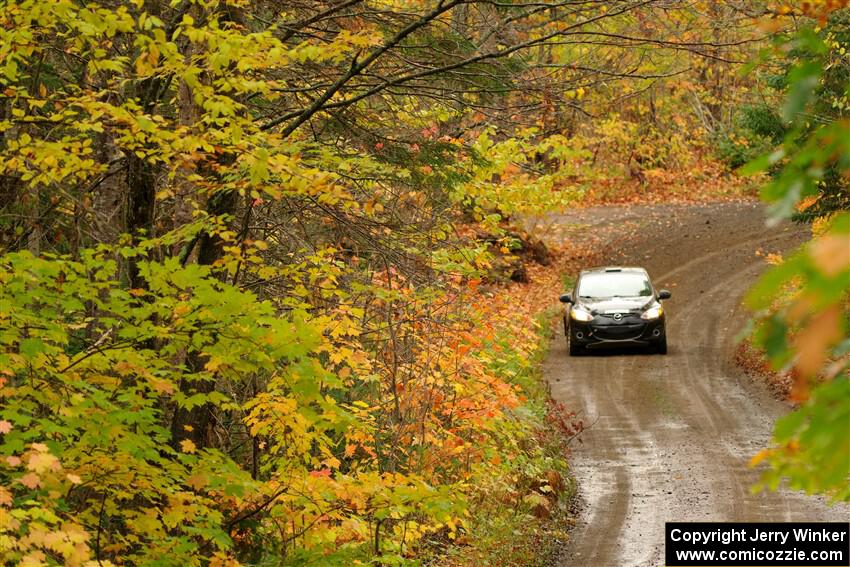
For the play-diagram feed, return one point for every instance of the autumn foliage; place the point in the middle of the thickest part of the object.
(253, 298)
(346, 463)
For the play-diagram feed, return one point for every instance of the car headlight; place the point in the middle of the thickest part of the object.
(653, 313)
(578, 314)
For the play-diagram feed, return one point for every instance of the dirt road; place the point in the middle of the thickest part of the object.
(671, 435)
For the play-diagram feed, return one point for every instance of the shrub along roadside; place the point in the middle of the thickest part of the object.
(521, 494)
(91, 470)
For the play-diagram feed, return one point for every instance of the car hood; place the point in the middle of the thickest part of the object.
(617, 305)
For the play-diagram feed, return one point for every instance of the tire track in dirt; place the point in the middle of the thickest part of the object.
(672, 435)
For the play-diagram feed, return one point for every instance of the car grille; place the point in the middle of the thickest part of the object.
(630, 327)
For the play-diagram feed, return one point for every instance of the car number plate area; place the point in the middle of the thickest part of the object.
(618, 332)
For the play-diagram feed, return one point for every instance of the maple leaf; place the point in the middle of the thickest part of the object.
(187, 446)
(30, 480)
(42, 462)
(197, 481)
(831, 254)
(5, 497)
(813, 343)
(161, 386)
(5, 426)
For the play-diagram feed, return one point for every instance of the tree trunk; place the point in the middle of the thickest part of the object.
(141, 197)
(200, 418)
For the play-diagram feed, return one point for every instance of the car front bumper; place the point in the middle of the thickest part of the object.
(629, 331)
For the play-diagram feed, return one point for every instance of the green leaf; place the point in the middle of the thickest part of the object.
(803, 80)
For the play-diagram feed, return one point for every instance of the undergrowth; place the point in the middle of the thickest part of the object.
(521, 495)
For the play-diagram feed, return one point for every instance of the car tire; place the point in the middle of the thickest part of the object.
(661, 346)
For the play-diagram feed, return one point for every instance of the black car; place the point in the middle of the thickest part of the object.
(615, 306)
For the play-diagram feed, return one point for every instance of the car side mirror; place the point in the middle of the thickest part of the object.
(566, 298)
(664, 294)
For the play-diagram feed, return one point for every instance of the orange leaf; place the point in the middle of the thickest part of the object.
(760, 456)
(30, 480)
(161, 386)
(197, 481)
(814, 341)
(831, 254)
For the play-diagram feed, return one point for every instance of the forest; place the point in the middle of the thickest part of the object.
(269, 291)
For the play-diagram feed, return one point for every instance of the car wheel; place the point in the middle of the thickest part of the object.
(661, 346)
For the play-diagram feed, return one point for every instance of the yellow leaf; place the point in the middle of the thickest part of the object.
(187, 446)
(42, 462)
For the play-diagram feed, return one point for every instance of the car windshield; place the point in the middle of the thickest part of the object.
(614, 284)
